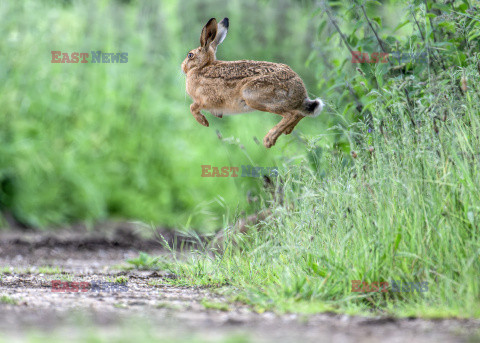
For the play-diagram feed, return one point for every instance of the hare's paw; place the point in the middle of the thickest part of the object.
(268, 141)
(202, 120)
(195, 109)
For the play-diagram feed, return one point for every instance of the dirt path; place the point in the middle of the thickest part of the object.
(148, 303)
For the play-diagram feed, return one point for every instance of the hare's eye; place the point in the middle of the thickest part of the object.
(190, 55)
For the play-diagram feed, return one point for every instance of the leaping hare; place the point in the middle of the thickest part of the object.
(230, 87)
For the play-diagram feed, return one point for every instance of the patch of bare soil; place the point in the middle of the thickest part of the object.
(90, 261)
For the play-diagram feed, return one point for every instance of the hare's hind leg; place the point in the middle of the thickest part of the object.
(265, 94)
(195, 109)
(291, 127)
(287, 121)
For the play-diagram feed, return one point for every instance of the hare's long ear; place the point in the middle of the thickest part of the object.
(222, 30)
(209, 32)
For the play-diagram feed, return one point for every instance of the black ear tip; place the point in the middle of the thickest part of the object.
(211, 19)
(225, 22)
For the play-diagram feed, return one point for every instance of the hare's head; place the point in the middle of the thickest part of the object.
(212, 35)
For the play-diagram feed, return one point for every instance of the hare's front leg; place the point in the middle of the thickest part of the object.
(287, 121)
(195, 109)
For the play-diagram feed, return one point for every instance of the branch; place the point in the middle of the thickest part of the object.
(338, 30)
(434, 38)
(424, 41)
(380, 43)
(409, 104)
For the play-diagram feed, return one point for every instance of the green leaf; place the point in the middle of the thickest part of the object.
(399, 26)
(449, 26)
(357, 25)
(378, 20)
(463, 7)
(397, 242)
(317, 270)
(322, 26)
(442, 7)
(473, 36)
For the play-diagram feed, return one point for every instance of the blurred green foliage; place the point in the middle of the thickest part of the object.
(82, 142)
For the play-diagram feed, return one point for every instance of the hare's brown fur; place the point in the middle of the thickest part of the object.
(229, 87)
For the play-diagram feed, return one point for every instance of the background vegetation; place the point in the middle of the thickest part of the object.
(83, 142)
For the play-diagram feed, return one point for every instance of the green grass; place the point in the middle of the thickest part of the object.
(7, 270)
(215, 305)
(121, 279)
(5, 299)
(63, 277)
(49, 270)
(408, 209)
(145, 261)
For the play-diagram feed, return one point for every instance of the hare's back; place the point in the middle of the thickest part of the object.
(236, 70)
